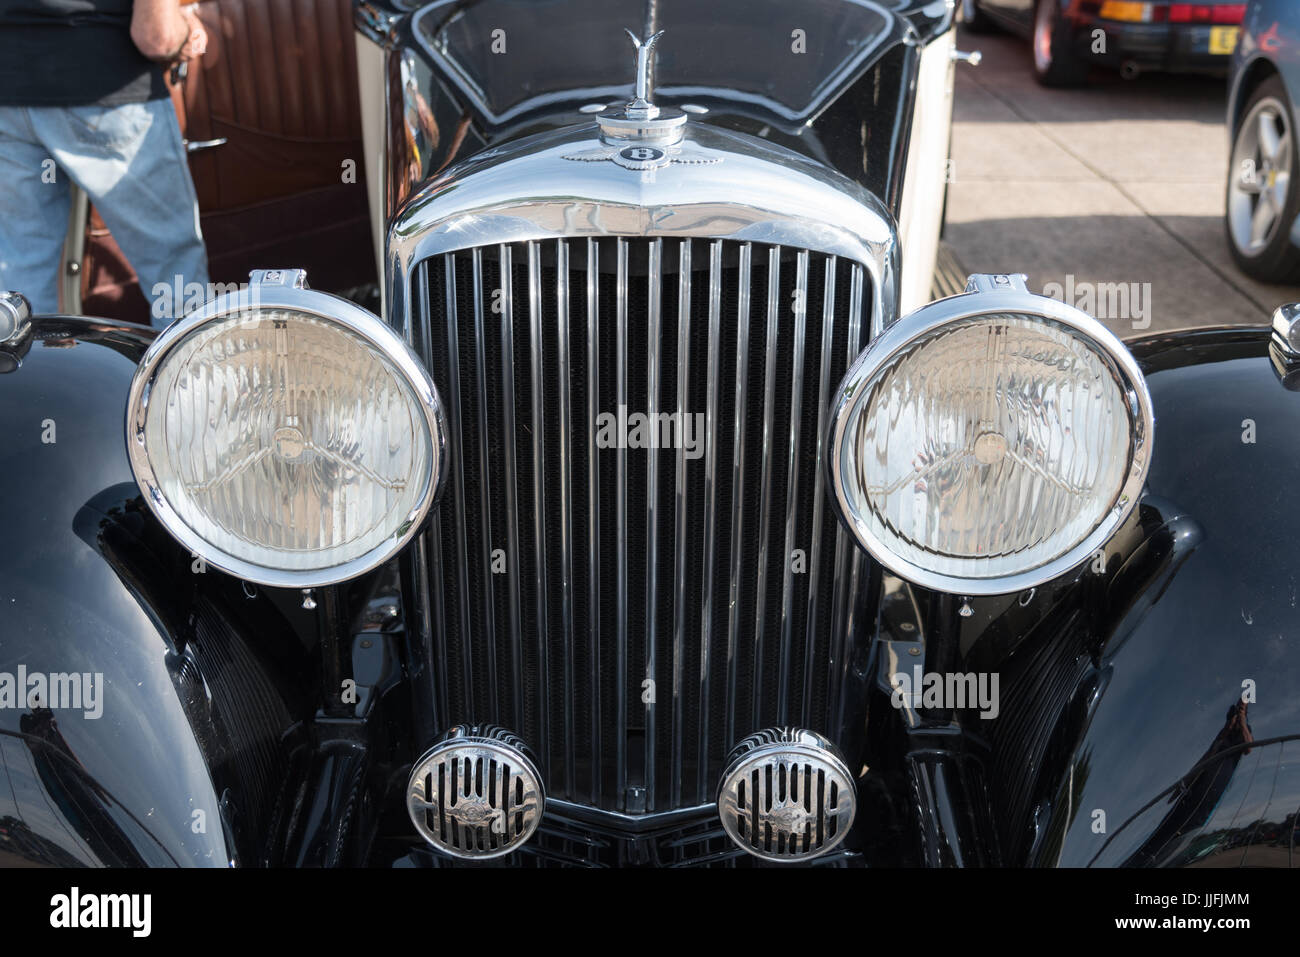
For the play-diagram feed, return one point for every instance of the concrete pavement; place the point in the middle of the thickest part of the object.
(1113, 193)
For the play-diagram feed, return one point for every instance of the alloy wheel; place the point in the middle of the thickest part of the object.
(1260, 178)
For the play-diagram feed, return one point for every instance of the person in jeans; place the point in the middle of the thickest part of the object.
(83, 100)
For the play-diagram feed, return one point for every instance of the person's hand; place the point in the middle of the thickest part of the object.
(197, 44)
(166, 33)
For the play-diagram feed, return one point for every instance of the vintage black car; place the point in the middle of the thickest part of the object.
(1070, 36)
(657, 518)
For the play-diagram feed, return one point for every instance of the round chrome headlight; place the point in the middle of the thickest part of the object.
(286, 436)
(990, 442)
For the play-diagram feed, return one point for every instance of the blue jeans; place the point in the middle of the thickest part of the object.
(131, 162)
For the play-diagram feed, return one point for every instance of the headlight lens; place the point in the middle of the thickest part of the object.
(982, 451)
(295, 442)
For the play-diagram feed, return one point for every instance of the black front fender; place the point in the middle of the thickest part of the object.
(176, 752)
(1191, 751)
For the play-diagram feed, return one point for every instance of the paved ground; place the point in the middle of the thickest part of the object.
(1121, 182)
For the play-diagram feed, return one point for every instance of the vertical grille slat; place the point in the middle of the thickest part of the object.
(738, 485)
(566, 530)
(628, 557)
(620, 531)
(458, 468)
(823, 412)
(654, 282)
(593, 508)
(710, 505)
(432, 539)
(846, 554)
(792, 487)
(680, 515)
(537, 382)
(772, 351)
(486, 481)
(509, 480)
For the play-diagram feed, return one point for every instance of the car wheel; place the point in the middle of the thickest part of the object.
(976, 20)
(1262, 201)
(1055, 61)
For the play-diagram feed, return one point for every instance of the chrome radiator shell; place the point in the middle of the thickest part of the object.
(500, 274)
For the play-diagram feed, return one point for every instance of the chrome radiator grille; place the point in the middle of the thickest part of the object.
(632, 612)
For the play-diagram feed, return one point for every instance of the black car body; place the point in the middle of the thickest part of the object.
(1194, 36)
(625, 629)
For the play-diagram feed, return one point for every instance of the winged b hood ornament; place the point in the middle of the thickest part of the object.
(640, 135)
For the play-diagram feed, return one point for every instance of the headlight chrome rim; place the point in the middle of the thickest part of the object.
(853, 393)
(327, 308)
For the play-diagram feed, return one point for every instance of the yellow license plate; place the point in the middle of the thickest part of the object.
(1223, 40)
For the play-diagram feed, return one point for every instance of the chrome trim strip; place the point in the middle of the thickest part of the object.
(710, 507)
(770, 351)
(636, 823)
(620, 481)
(879, 319)
(511, 478)
(485, 481)
(654, 296)
(680, 505)
(566, 517)
(539, 502)
(792, 482)
(855, 312)
(426, 318)
(593, 506)
(738, 484)
(819, 485)
(458, 473)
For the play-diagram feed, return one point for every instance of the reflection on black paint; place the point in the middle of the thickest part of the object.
(1196, 797)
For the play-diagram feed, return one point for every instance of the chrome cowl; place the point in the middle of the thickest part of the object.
(786, 795)
(476, 794)
(703, 183)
